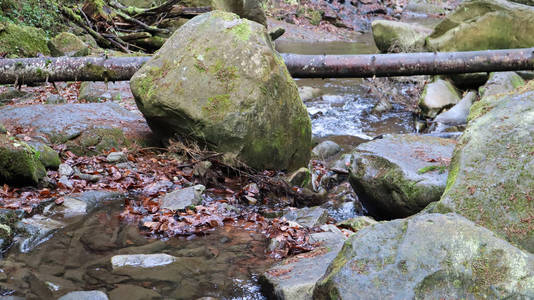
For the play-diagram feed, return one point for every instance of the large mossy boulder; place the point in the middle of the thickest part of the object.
(399, 175)
(22, 41)
(19, 163)
(219, 81)
(68, 44)
(484, 24)
(491, 181)
(429, 256)
(392, 36)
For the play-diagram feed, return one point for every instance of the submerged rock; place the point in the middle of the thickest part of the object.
(399, 175)
(85, 295)
(183, 198)
(429, 256)
(132, 292)
(37, 230)
(142, 260)
(484, 24)
(19, 163)
(457, 115)
(436, 96)
(294, 278)
(392, 36)
(231, 91)
(492, 172)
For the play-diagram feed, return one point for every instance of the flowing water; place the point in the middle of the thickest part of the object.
(223, 264)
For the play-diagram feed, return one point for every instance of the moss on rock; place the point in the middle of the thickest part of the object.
(22, 41)
(19, 163)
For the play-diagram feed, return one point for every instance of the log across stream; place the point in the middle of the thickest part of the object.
(27, 70)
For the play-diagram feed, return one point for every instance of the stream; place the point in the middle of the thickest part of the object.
(224, 264)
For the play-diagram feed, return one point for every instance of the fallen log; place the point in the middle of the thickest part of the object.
(27, 70)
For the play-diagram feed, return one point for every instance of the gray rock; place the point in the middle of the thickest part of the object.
(132, 292)
(308, 216)
(85, 295)
(84, 203)
(500, 83)
(212, 94)
(428, 256)
(399, 175)
(97, 91)
(38, 229)
(492, 171)
(392, 36)
(47, 156)
(114, 157)
(356, 224)
(307, 93)
(342, 164)
(60, 123)
(65, 170)
(436, 96)
(295, 277)
(55, 99)
(142, 260)
(183, 198)
(457, 115)
(466, 29)
(325, 150)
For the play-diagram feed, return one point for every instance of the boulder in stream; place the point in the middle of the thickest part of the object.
(36, 230)
(399, 175)
(325, 150)
(491, 176)
(457, 115)
(428, 256)
(308, 216)
(437, 95)
(483, 25)
(392, 36)
(219, 81)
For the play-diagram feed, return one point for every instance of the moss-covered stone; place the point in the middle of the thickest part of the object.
(22, 41)
(95, 141)
(492, 177)
(386, 173)
(484, 24)
(69, 44)
(47, 156)
(429, 256)
(218, 81)
(391, 36)
(19, 163)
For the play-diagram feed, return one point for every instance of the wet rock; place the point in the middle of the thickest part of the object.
(67, 44)
(97, 91)
(37, 230)
(325, 150)
(500, 83)
(180, 269)
(99, 125)
(132, 292)
(307, 93)
(356, 224)
(22, 41)
(55, 99)
(65, 170)
(85, 295)
(183, 198)
(114, 157)
(426, 7)
(308, 216)
(484, 24)
(429, 256)
(342, 164)
(47, 156)
(142, 260)
(300, 178)
(399, 175)
(492, 171)
(84, 203)
(218, 85)
(19, 162)
(436, 96)
(392, 36)
(457, 115)
(295, 277)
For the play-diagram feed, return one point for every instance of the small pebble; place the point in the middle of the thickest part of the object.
(65, 170)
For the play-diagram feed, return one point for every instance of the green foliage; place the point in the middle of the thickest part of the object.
(37, 13)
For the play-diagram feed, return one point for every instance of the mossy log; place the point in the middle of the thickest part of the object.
(26, 70)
